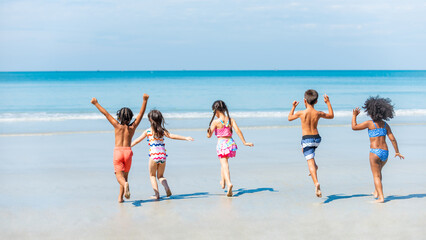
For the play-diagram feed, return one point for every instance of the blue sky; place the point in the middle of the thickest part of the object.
(206, 35)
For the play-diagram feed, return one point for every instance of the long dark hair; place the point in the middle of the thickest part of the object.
(378, 108)
(157, 123)
(220, 106)
(124, 116)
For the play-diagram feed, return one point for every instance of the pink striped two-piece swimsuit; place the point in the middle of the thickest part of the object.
(226, 146)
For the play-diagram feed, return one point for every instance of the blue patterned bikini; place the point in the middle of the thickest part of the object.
(379, 132)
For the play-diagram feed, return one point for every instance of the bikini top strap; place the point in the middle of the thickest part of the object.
(225, 125)
(374, 124)
(385, 125)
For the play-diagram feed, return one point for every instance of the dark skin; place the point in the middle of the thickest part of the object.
(377, 142)
(123, 133)
(123, 138)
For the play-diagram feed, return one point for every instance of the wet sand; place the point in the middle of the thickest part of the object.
(63, 187)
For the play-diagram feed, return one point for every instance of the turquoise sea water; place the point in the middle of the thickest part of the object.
(46, 101)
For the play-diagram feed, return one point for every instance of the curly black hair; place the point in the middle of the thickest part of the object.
(379, 109)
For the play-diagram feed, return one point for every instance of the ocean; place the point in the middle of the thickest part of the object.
(53, 102)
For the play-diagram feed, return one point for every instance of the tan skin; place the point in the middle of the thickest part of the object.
(156, 170)
(309, 119)
(123, 138)
(224, 172)
(377, 142)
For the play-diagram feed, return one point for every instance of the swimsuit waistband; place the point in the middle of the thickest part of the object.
(122, 148)
(311, 136)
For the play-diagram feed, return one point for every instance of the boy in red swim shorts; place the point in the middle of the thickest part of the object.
(124, 131)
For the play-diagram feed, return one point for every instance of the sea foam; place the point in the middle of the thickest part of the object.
(46, 117)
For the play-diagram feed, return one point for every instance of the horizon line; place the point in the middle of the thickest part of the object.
(218, 70)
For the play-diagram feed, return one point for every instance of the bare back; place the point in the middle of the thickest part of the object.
(378, 142)
(124, 135)
(309, 119)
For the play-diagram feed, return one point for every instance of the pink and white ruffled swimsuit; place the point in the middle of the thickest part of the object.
(226, 146)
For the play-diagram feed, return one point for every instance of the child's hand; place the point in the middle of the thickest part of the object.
(145, 96)
(356, 111)
(399, 155)
(326, 99)
(295, 103)
(189, 139)
(249, 144)
(94, 101)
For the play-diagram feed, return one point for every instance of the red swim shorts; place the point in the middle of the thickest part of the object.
(122, 159)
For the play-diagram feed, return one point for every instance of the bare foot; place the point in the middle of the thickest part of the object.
(126, 190)
(316, 168)
(380, 200)
(229, 190)
(318, 190)
(222, 184)
(156, 197)
(375, 194)
(168, 192)
(120, 200)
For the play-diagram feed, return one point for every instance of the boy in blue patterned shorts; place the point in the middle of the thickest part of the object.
(311, 138)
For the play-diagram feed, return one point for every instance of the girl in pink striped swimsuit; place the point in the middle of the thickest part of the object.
(157, 150)
(226, 147)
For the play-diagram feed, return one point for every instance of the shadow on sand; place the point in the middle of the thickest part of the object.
(242, 191)
(138, 203)
(333, 197)
(409, 196)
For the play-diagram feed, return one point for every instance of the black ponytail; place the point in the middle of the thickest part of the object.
(220, 106)
(124, 116)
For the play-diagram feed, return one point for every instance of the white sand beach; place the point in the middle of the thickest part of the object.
(63, 187)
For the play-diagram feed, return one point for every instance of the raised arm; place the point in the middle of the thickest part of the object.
(394, 143)
(240, 134)
(356, 126)
(210, 131)
(177, 137)
(291, 115)
(330, 114)
(139, 139)
(142, 111)
(104, 112)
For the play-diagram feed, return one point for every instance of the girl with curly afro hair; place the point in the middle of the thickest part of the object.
(380, 110)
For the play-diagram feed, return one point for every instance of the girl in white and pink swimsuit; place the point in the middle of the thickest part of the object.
(157, 150)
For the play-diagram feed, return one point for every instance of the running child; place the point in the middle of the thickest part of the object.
(226, 147)
(379, 110)
(310, 136)
(124, 131)
(157, 150)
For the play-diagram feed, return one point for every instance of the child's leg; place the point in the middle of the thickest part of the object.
(222, 178)
(122, 181)
(152, 176)
(126, 186)
(376, 169)
(375, 194)
(160, 175)
(227, 176)
(313, 173)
